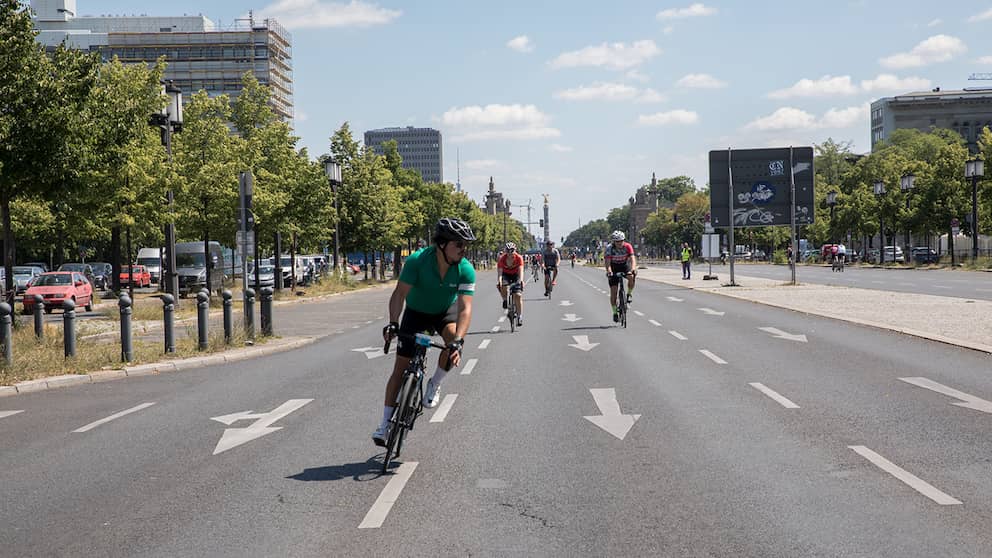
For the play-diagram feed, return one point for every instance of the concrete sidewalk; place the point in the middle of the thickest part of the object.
(957, 321)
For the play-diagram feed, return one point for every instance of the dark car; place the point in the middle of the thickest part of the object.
(83, 269)
(104, 274)
(924, 255)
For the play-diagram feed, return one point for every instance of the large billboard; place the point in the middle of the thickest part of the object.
(761, 186)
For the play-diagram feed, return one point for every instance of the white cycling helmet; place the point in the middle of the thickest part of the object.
(510, 247)
(617, 235)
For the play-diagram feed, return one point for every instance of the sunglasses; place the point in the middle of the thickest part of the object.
(459, 243)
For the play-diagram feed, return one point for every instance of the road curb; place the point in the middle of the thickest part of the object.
(152, 368)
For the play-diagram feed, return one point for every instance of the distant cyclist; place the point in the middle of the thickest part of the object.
(436, 285)
(619, 258)
(550, 259)
(509, 270)
(535, 264)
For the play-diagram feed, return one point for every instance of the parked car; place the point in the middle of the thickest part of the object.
(104, 274)
(192, 265)
(266, 276)
(23, 274)
(85, 269)
(151, 259)
(892, 254)
(56, 287)
(141, 276)
(924, 255)
(42, 265)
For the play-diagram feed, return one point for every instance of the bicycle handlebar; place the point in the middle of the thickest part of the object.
(414, 338)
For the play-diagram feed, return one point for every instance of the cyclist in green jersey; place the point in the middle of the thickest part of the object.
(436, 285)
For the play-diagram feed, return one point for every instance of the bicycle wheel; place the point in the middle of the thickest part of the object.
(622, 306)
(398, 422)
(410, 411)
(512, 314)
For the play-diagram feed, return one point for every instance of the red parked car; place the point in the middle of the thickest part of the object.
(142, 277)
(57, 286)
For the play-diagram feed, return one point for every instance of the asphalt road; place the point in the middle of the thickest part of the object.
(831, 455)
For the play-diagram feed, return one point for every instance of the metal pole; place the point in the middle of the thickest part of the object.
(168, 314)
(250, 315)
(266, 311)
(127, 350)
(6, 335)
(974, 217)
(202, 315)
(69, 328)
(228, 318)
(170, 227)
(792, 211)
(731, 249)
(337, 228)
(39, 321)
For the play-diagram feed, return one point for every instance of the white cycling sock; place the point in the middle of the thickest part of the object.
(439, 375)
(387, 413)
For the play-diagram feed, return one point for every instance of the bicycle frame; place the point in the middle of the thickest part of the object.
(622, 298)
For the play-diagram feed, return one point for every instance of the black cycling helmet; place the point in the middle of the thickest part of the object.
(449, 228)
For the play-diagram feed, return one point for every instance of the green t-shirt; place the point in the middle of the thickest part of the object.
(430, 294)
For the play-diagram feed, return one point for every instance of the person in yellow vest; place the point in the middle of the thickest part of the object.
(686, 259)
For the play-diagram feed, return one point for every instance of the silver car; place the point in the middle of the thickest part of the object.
(23, 274)
(266, 276)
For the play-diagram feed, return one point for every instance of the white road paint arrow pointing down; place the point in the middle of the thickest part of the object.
(582, 343)
(967, 401)
(370, 352)
(711, 312)
(610, 419)
(565, 303)
(570, 318)
(234, 437)
(778, 333)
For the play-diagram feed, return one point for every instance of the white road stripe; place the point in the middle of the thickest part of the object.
(774, 395)
(485, 343)
(5, 414)
(678, 335)
(495, 329)
(712, 357)
(501, 319)
(653, 322)
(469, 366)
(905, 476)
(941, 287)
(641, 314)
(93, 425)
(442, 411)
(380, 509)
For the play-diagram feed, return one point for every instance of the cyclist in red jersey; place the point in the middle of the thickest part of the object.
(619, 258)
(509, 270)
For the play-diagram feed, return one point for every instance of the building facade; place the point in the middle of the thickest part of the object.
(200, 55)
(420, 148)
(965, 111)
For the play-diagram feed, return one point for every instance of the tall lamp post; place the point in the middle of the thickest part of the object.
(906, 184)
(832, 202)
(506, 211)
(333, 171)
(974, 170)
(170, 120)
(879, 193)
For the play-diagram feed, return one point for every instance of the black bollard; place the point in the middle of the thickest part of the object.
(250, 315)
(69, 328)
(202, 315)
(228, 316)
(266, 315)
(127, 349)
(169, 315)
(6, 335)
(39, 321)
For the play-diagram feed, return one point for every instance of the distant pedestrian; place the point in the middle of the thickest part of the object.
(686, 260)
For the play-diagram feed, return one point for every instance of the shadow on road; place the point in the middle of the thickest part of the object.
(366, 470)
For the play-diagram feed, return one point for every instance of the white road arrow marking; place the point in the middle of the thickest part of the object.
(234, 437)
(93, 425)
(711, 312)
(570, 318)
(674, 298)
(5, 414)
(905, 476)
(967, 401)
(370, 352)
(565, 303)
(778, 333)
(582, 343)
(610, 419)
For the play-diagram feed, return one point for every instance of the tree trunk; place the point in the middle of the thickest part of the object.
(115, 260)
(397, 256)
(9, 254)
(277, 242)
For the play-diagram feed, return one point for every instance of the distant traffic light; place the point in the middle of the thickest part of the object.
(542, 222)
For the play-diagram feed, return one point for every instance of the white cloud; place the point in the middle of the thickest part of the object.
(827, 86)
(700, 81)
(791, 118)
(695, 10)
(636, 75)
(986, 15)
(559, 148)
(985, 60)
(935, 22)
(889, 82)
(520, 44)
(668, 30)
(309, 14)
(678, 116)
(609, 92)
(616, 56)
(480, 164)
(498, 122)
(939, 48)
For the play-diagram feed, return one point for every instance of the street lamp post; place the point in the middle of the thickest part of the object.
(832, 202)
(333, 171)
(974, 170)
(906, 184)
(170, 120)
(506, 211)
(880, 192)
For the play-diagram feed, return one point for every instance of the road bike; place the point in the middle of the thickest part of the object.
(410, 401)
(548, 283)
(838, 263)
(535, 269)
(511, 304)
(621, 298)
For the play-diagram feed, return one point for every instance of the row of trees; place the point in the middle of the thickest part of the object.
(941, 194)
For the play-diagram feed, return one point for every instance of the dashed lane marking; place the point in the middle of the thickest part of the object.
(442, 411)
(469, 366)
(116, 416)
(712, 357)
(905, 476)
(485, 343)
(376, 515)
(653, 322)
(774, 395)
(678, 335)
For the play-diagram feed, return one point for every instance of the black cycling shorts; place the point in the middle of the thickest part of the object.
(511, 278)
(414, 322)
(548, 269)
(618, 268)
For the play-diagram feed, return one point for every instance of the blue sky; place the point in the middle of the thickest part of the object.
(584, 100)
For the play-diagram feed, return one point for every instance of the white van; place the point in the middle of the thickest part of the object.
(151, 258)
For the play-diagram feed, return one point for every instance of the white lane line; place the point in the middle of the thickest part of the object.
(712, 357)
(774, 395)
(654, 322)
(93, 425)
(641, 314)
(907, 284)
(678, 335)
(355, 327)
(380, 509)
(905, 476)
(495, 329)
(984, 290)
(501, 319)
(941, 287)
(368, 322)
(674, 298)
(5, 414)
(469, 366)
(485, 343)
(442, 411)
